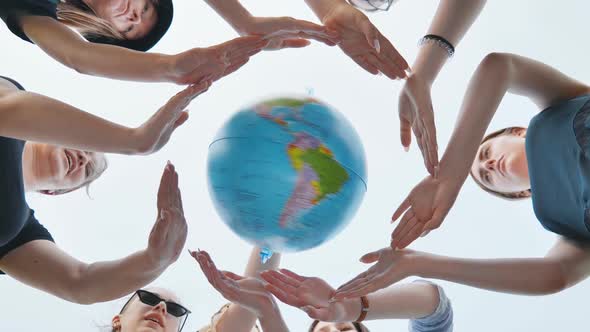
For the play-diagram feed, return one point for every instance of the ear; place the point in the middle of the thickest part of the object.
(517, 131)
(116, 323)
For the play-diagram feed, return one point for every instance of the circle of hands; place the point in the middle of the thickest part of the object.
(311, 294)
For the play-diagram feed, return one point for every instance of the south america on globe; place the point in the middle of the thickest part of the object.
(287, 174)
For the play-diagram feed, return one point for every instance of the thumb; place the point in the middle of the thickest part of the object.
(316, 313)
(295, 43)
(182, 118)
(405, 133)
(371, 257)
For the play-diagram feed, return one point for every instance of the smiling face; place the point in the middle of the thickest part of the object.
(501, 164)
(134, 19)
(140, 317)
(57, 169)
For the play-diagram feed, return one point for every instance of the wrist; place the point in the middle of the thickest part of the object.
(168, 66)
(153, 262)
(429, 62)
(352, 309)
(422, 265)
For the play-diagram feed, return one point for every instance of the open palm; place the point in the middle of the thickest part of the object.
(363, 43)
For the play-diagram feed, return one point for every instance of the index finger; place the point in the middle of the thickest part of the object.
(401, 208)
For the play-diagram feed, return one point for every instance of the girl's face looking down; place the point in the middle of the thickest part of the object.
(501, 164)
(134, 19)
(140, 317)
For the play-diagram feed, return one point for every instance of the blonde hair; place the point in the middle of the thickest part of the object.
(511, 196)
(76, 14)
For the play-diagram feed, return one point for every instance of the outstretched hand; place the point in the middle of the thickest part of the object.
(391, 266)
(309, 294)
(169, 233)
(363, 43)
(424, 209)
(416, 114)
(249, 293)
(212, 63)
(287, 32)
(156, 132)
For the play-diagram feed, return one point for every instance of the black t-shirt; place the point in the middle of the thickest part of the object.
(18, 220)
(12, 10)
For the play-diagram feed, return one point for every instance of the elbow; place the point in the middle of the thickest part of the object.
(77, 291)
(555, 281)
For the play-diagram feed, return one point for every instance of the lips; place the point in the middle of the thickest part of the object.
(502, 165)
(155, 318)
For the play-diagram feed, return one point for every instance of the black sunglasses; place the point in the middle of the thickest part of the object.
(153, 300)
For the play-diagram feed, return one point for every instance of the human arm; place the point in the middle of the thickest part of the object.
(192, 66)
(79, 282)
(429, 202)
(238, 318)
(359, 38)
(248, 292)
(289, 32)
(32, 117)
(313, 296)
(452, 20)
(566, 264)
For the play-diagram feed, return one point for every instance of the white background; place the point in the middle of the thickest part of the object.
(118, 218)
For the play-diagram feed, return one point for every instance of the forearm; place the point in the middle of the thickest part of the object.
(452, 20)
(272, 320)
(486, 89)
(65, 46)
(232, 12)
(322, 7)
(526, 276)
(109, 280)
(237, 318)
(33, 117)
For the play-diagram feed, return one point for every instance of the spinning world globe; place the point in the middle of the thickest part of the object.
(287, 174)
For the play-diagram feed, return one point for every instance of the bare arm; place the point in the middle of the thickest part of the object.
(237, 318)
(67, 47)
(22, 113)
(497, 74)
(565, 265)
(452, 20)
(75, 281)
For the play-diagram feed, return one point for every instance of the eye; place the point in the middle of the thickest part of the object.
(487, 153)
(128, 30)
(487, 177)
(145, 8)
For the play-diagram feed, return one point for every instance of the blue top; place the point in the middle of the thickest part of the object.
(441, 320)
(559, 168)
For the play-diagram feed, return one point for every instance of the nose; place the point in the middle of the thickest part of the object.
(83, 158)
(134, 16)
(490, 164)
(161, 307)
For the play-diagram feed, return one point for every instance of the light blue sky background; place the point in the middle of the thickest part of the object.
(118, 218)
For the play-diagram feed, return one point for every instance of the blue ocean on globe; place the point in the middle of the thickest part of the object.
(287, 174)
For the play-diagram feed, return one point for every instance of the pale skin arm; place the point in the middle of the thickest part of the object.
(76, 281)
(281, 31)
(498, 73)
(237, 318)
(72, 280)
(565, 265)
(192, 66)
(32, 117)
(452, 20)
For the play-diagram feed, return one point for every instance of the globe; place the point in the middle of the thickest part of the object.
(287, 174)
